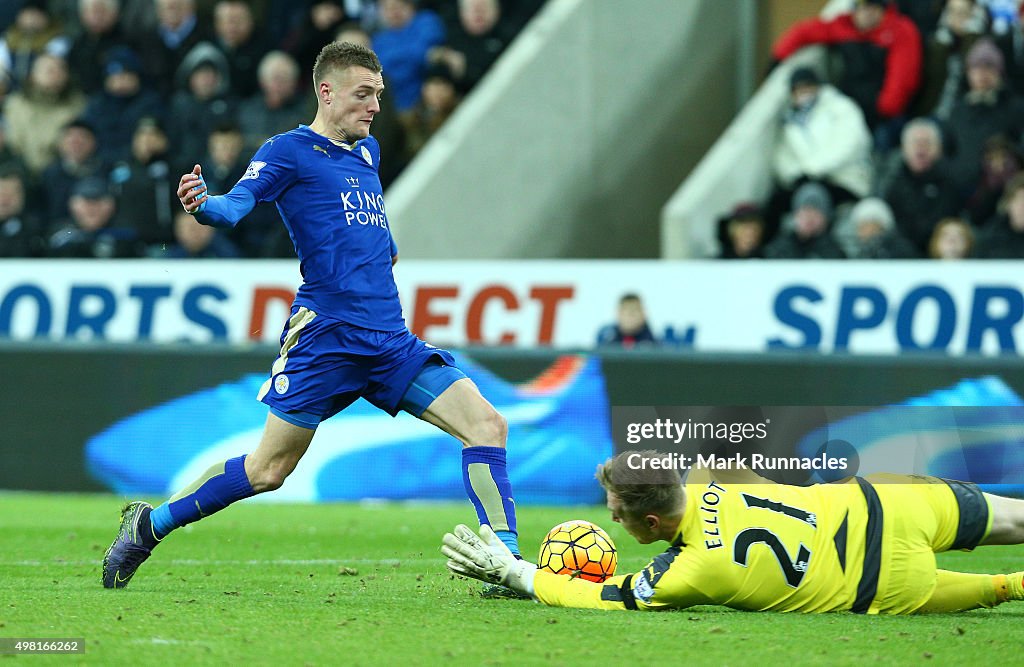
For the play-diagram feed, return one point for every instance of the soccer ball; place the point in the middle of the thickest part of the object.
(578, 549)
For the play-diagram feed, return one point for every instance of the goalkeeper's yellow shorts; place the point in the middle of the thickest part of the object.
(922, 516)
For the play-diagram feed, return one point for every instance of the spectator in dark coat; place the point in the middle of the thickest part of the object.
(100, 33)
(630, 328)
(987, 109)
(279, 106)
(240, 43)
(177, 32)
(880, 49)
(21, 232)
(741, 234)
(321, 20)
(77, 158)
(91, 231)
(944, 81)
(201, 102)
(34, 32)
(146, 186)
(1003, 236)
(871, 233)
(808, 236)
(920, 189)
(1000, 162)
(116, 110)
(474, 43)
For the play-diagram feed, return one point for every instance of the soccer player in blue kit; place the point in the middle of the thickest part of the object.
(346, 337)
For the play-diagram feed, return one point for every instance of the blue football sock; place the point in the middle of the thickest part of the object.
(485, 475)
(217, 488)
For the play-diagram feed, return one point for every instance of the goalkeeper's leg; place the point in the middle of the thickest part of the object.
(961, 591)
(463, 412)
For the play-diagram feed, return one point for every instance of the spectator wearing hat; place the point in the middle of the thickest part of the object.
(101, 32)
(1003, 236)
(822, 138)
(145, 186)
(985, 110)
(202, 100)
(237, 38)
(953, 239)
(91, 232)
(38, 112)
(402, 43)
(438, 99)
(961, 24)
(880, 49)
(77, 158)
(474, 42)
(920, 188)
(116, 110)
(807, 234)
(741, 234)
(870, 233)
(21, 232)
(33, 33)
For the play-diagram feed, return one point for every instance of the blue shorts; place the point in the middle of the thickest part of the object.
(325, 365)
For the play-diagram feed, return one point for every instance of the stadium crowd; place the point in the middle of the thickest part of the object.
(908, 143)
(104, 103)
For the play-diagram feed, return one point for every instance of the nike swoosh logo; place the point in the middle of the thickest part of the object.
(118, 580)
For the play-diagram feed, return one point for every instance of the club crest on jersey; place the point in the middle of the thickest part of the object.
(253, 172)
(366, 155)
(281, 383)
(353, 181)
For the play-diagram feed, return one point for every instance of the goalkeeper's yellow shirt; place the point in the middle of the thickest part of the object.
(767, 546)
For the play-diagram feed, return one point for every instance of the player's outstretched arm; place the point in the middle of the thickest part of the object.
(221, 211)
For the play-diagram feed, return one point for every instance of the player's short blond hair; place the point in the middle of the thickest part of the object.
(641, 492)
(339, 56)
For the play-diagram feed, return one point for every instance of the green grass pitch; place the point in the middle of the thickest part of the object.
(364, 584)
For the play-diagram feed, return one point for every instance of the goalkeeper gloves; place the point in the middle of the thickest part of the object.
(487, 558)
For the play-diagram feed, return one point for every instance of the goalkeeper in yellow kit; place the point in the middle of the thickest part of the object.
(865, 545)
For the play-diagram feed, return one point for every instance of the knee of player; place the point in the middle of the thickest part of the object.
(268, 478)
(491, 430)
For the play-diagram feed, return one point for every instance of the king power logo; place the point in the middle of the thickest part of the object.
(364, 208)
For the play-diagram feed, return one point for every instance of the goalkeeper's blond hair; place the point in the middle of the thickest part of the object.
(642, 492)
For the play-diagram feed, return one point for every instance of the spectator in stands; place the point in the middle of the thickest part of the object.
(987, 109)
(1011, 43)
(9, 160)
(146, 185)
(1000, 162)
(38, 112)
(177, 32)
(870, 233)
(402, 45)
(944, 81)
(116, 110)
(741, 234)
(808, 234)
(1003, 236)
(100, 33)
(197, 241)
(320, 22)
(21, 232)
(388, 129)
(920, 189)
(91, 231)
(823, 138)
(438, 101)
(924, 13)
(77, 158)
(880, 50)
(279, 106)
(474, 43)
(630, 328)
(33, 33)
(240, 43)
(202, 100)
(138, 17)
(953, 239)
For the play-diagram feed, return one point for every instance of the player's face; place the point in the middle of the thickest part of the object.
(638, 527)
(354, 101)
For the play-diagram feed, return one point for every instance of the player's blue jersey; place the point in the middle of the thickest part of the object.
(332, 203)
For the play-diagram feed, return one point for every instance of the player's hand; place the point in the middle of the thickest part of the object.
(192, 191)
(486, 558)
